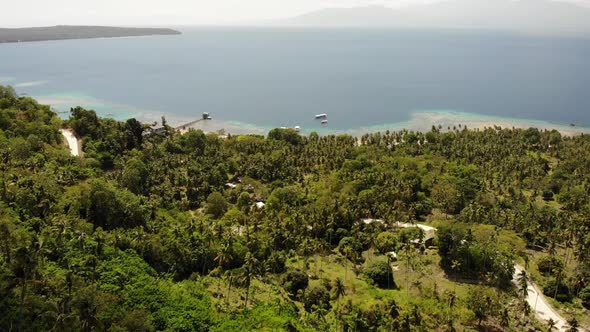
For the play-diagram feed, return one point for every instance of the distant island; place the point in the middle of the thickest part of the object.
(62, 32)
(526, 16)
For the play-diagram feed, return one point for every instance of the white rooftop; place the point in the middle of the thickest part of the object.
(370, 221)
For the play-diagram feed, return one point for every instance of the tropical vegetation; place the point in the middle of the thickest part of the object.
(158, 230)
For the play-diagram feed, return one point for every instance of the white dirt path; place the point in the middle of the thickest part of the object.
(539, 304)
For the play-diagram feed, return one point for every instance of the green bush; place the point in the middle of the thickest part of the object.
(216, 205)
(350, 247)
(380, 274)
(564, 292)
(585, 296)
(317, 296)
(295, 281)
(547, 195)
(549, 264)
(288, 135)
(386, 242)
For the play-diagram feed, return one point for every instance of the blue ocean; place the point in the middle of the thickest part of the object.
(272, 77)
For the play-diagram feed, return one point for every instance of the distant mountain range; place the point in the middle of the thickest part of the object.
(529, 16)
(76, 32)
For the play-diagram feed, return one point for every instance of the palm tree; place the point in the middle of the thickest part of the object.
(249, 267)
(523, 284)
(551, 325)
(61, 227)
(526, 260)
(574, 325)
(557, 281)
(339, 288)
(452, 298)
(24, 267)
(416, 315)
(505, 318)
(8, 240)
(40, 250)
(81, 240)
(388, 269)
(228, 276)
(347, 253)
(456, 266)
(224, 255)
(87, 313)
(59, 315)
(525, 307)
(100, 242)
(137, 239)
(265, 271)
(116, 241)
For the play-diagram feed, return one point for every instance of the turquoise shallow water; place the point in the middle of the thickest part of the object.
(62, 102)
(418, 121)
(265, 78)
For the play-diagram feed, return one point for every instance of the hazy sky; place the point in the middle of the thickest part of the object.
(20, 13)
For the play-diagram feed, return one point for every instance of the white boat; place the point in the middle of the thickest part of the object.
(321, 116)
(324, 122)
(297, 128)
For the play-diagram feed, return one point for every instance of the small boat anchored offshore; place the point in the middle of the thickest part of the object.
(321, 116)
(324, 122)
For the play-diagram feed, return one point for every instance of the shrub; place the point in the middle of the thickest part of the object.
(380, 274)
(563, 294)
(585, 296)
(317, 296)
(549, 264)
(295, 281)
(547, 195)
(276, 261)
(386, 242)
(350, 247)
(411, 233)
(288, 135)
(216, 205)
(458, 245)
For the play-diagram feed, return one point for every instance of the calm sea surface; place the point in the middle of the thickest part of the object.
(283, 77)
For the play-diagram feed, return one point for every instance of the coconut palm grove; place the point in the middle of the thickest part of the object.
(153, 229)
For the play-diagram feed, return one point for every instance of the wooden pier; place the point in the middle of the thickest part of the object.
(205, 117)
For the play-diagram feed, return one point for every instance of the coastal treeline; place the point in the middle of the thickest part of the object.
(157, 230)
(63, 32)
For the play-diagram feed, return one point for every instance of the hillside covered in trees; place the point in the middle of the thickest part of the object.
(197, 232)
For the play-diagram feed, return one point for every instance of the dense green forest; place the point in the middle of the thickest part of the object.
(166, 231)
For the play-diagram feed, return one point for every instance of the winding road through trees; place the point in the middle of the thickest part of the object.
(535, 298)
(539, 304)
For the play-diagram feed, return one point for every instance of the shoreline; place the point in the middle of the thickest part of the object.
(75, 32)
(419, 121)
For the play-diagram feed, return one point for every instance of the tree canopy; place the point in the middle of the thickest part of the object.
(143, 233)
